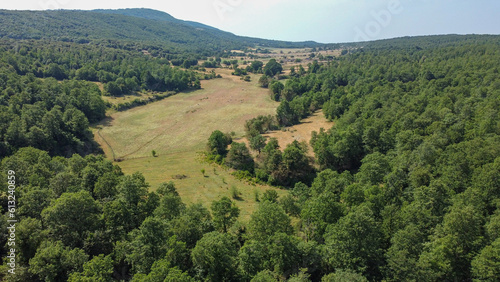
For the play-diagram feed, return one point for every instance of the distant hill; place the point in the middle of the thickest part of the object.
(151, 14)
(128, 28)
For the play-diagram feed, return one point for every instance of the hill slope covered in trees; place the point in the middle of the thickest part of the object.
(129, 29)
(405, 186)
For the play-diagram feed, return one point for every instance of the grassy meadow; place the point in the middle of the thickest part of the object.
(177, 129)
(185, 170)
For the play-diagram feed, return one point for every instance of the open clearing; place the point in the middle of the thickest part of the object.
(300, 132)
(178, 127)
(196, 187)
(183, 122)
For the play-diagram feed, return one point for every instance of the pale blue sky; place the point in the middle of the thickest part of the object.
(324, 21)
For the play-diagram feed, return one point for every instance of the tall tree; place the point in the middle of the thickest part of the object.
(239, 157)
(214, 256)
(72, 217)
(267, 220)
(225, 213)
(355, 243)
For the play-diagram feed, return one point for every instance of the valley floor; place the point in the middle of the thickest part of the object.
(177, 129)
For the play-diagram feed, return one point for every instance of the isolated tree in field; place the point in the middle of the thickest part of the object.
(272, 68)
(218, 142)
(224, 213)
(239, 157)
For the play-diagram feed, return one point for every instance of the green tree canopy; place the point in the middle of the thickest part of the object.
(272, 68)
(225, 213)
(268, 219)
(214, 256)
(72, 217)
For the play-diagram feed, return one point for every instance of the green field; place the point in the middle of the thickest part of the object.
(177, 128)
(196, 187)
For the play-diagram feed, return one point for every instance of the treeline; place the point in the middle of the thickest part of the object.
(46, 114)
(139, 102)
(121, 72)
(49, 91)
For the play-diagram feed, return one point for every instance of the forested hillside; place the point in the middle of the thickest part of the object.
(50, 92)
(145, 29)
(404, 187)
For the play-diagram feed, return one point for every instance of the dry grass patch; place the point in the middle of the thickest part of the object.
(179, 126)
(183, 122)
(300, 132)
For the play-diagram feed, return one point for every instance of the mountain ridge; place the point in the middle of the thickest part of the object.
(153, 14)
(128, 28)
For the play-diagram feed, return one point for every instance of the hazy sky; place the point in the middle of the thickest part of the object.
(324, 21)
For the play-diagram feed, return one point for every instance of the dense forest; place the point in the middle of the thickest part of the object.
(50, 90)
(404, 187)
(406, 182)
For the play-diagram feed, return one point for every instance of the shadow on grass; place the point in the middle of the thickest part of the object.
(237, 198)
